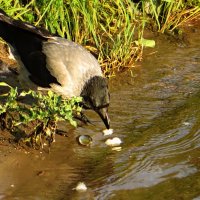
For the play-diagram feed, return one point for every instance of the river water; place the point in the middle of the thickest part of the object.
(154, 110)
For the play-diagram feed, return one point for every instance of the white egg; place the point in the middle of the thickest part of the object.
(113, 142)
(107, 132)
(117, 148)
(81, 187)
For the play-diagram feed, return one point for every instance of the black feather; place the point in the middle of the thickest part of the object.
(27, 40)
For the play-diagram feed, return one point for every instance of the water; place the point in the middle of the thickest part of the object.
(155, 111)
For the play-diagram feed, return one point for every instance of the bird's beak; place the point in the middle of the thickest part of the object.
(103, 113)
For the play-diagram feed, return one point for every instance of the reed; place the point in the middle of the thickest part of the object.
(112, 30)
(171, 14)
(106, 28)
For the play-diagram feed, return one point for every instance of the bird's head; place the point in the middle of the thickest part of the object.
(96, 97)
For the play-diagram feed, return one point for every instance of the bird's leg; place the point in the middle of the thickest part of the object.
(82, 117)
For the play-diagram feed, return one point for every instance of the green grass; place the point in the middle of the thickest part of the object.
(171, 14)
(109, 29)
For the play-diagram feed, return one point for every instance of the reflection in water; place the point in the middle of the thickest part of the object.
(156, 113)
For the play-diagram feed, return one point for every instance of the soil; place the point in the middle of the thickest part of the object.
(6, 64)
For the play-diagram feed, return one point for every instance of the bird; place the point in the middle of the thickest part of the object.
(50, 62)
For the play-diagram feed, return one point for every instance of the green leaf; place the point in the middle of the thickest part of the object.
(145, 42)
(50, 93)
(4, 84)
(73, 123)
(169, 1)
(24, 93)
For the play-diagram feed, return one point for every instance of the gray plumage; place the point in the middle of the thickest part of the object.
(76, 64)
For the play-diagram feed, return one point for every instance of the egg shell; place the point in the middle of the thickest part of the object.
(113, 142)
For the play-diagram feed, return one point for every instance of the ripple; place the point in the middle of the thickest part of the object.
(161, 110)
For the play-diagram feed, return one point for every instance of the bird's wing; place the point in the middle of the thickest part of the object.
(69, 62)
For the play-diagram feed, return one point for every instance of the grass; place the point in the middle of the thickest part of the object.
(171, 14)
(109, 29)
